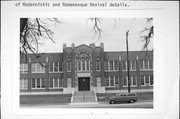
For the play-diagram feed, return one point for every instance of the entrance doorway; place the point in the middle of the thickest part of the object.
(84, 83)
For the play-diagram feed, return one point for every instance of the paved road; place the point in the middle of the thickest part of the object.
(147, 104)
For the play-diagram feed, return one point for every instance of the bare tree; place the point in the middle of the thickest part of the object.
(149, 33)
(96, 26)
(32, 31)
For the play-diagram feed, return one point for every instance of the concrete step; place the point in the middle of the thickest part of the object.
(84, 96)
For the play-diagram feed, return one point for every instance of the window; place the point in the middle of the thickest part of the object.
(116, 81)
(51, 66)
(98, 65)
(60, 66)
(51, 83)
(38, 68)
(68, 66)
(147, 80)
(106, 65)
(111, 81)
(133, 64)
(56, 66)
(124, 66)
(87, 64)
(142, 80)
(141, 64)
(60, 82)
(146, 64)
(125, 81)
(23, 83)
(150, 64)
(151, 80)
(116, 65)
(23, 68)
(83, 65)
(55, 83)
(79, 65)
(107, 81)
(129, 65)
(33, 83)
(110, 65)
(38, 83)
(133, 81)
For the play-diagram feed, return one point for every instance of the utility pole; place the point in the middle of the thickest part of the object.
(129, 81)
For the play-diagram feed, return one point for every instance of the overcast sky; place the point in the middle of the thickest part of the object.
(80, 31)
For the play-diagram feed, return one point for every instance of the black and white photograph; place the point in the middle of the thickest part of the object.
(89, 59)
(93, 62)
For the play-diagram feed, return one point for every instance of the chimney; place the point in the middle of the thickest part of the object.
(93, 45)
(102, 45)
(72, 45)
(64, 45)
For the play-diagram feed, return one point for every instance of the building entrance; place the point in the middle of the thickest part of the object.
(84, 83)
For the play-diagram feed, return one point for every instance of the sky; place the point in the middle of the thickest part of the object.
(113, 35)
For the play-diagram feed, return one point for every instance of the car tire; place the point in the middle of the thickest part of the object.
(112, 102)
(131, 101)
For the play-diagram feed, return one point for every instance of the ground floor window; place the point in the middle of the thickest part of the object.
(146, 80)
(133, 81)
(55, 83)
(111, 81)
(23, 83)
(38, 83)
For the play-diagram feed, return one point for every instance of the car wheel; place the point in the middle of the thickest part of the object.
(112, 102)
(131, 101)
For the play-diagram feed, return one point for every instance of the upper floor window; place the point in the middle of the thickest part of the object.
(116, 65)
(55, 67)
(106, 65)
(23, 68)
(124, 65)
(83, 64)
(146, 64)
(98, 65)
(111, 65)
(132, 65)
(87, 64)
(79, 65)
(150, 64)
(38, 68)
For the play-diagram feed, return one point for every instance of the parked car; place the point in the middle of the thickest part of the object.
(123, 97)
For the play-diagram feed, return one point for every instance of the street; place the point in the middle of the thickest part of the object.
(146, 104)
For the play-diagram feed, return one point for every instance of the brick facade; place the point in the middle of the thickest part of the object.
(61, 72)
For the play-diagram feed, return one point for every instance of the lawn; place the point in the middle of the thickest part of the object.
(103, 97)
(45, 99)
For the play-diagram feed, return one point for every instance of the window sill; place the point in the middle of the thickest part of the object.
(56, 72)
